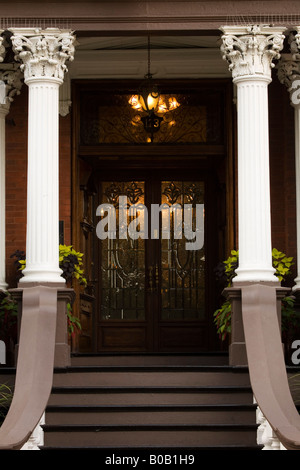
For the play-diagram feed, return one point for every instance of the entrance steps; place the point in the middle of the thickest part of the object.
(163, 401)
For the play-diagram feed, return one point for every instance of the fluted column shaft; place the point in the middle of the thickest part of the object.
(3, 285)
(43, 54)
(297, 172)
(42, 247)
(250, 51)
(255, 247)
(3, 113)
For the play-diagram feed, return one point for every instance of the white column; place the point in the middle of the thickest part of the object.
(9, 85)
(289, 75)
(43, 53)
(297, 171)
(250, 51)
(3, 284)
(65, 96)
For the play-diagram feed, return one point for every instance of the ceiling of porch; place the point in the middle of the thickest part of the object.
(178, 56)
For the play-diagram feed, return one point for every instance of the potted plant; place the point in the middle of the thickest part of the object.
(6, 395)
(225, 272)
(71, 264)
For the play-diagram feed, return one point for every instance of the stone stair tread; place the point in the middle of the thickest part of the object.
(125, 450)
(151, 367)
(147, 388)
(153, 407)
(141, 427)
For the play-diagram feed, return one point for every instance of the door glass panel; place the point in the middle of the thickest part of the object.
(108, 118)
(122, 259)
(182, 257)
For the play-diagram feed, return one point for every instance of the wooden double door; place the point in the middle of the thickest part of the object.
(155, 247)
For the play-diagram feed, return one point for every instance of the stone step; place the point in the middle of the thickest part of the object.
(151, 375)
(150, 414)
(212, 358)
(151, 395)
(173, 435)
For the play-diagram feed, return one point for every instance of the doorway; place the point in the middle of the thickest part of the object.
(151, 294)
(152, 241)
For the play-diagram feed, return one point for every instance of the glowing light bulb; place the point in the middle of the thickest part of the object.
(135, 103)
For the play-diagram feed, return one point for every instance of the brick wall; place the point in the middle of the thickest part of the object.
(16, 180)
(282, 170)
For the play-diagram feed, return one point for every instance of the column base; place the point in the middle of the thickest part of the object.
(256, 276)
(296, 287)
(38, 278)
(238, 354)
(62, 355)
(237, 347)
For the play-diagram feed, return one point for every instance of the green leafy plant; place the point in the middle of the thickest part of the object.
(71, 264)
(223, 320)
(281, 263)
(70, 261)
(74, 325)
(8, 318)
(6, 395)
(225, 273)
(294, 385)
(20, 265)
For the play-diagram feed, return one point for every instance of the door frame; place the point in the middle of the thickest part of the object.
(205, 158)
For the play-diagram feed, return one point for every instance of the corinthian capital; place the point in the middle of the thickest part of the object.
(288, 69)
(43, 53)
(2, 46)
(294, 42)
(10, 84)
(250, 50)
(289, 75)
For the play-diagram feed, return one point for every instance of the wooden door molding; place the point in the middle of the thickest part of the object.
(217, 161)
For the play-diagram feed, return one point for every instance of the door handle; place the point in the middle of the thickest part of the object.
(150, 278)
(156, 275)
(153, 278)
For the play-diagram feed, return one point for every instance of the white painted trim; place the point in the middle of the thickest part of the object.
(266, 437)
(37, 437)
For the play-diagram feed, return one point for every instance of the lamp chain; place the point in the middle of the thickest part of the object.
(149, 74)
